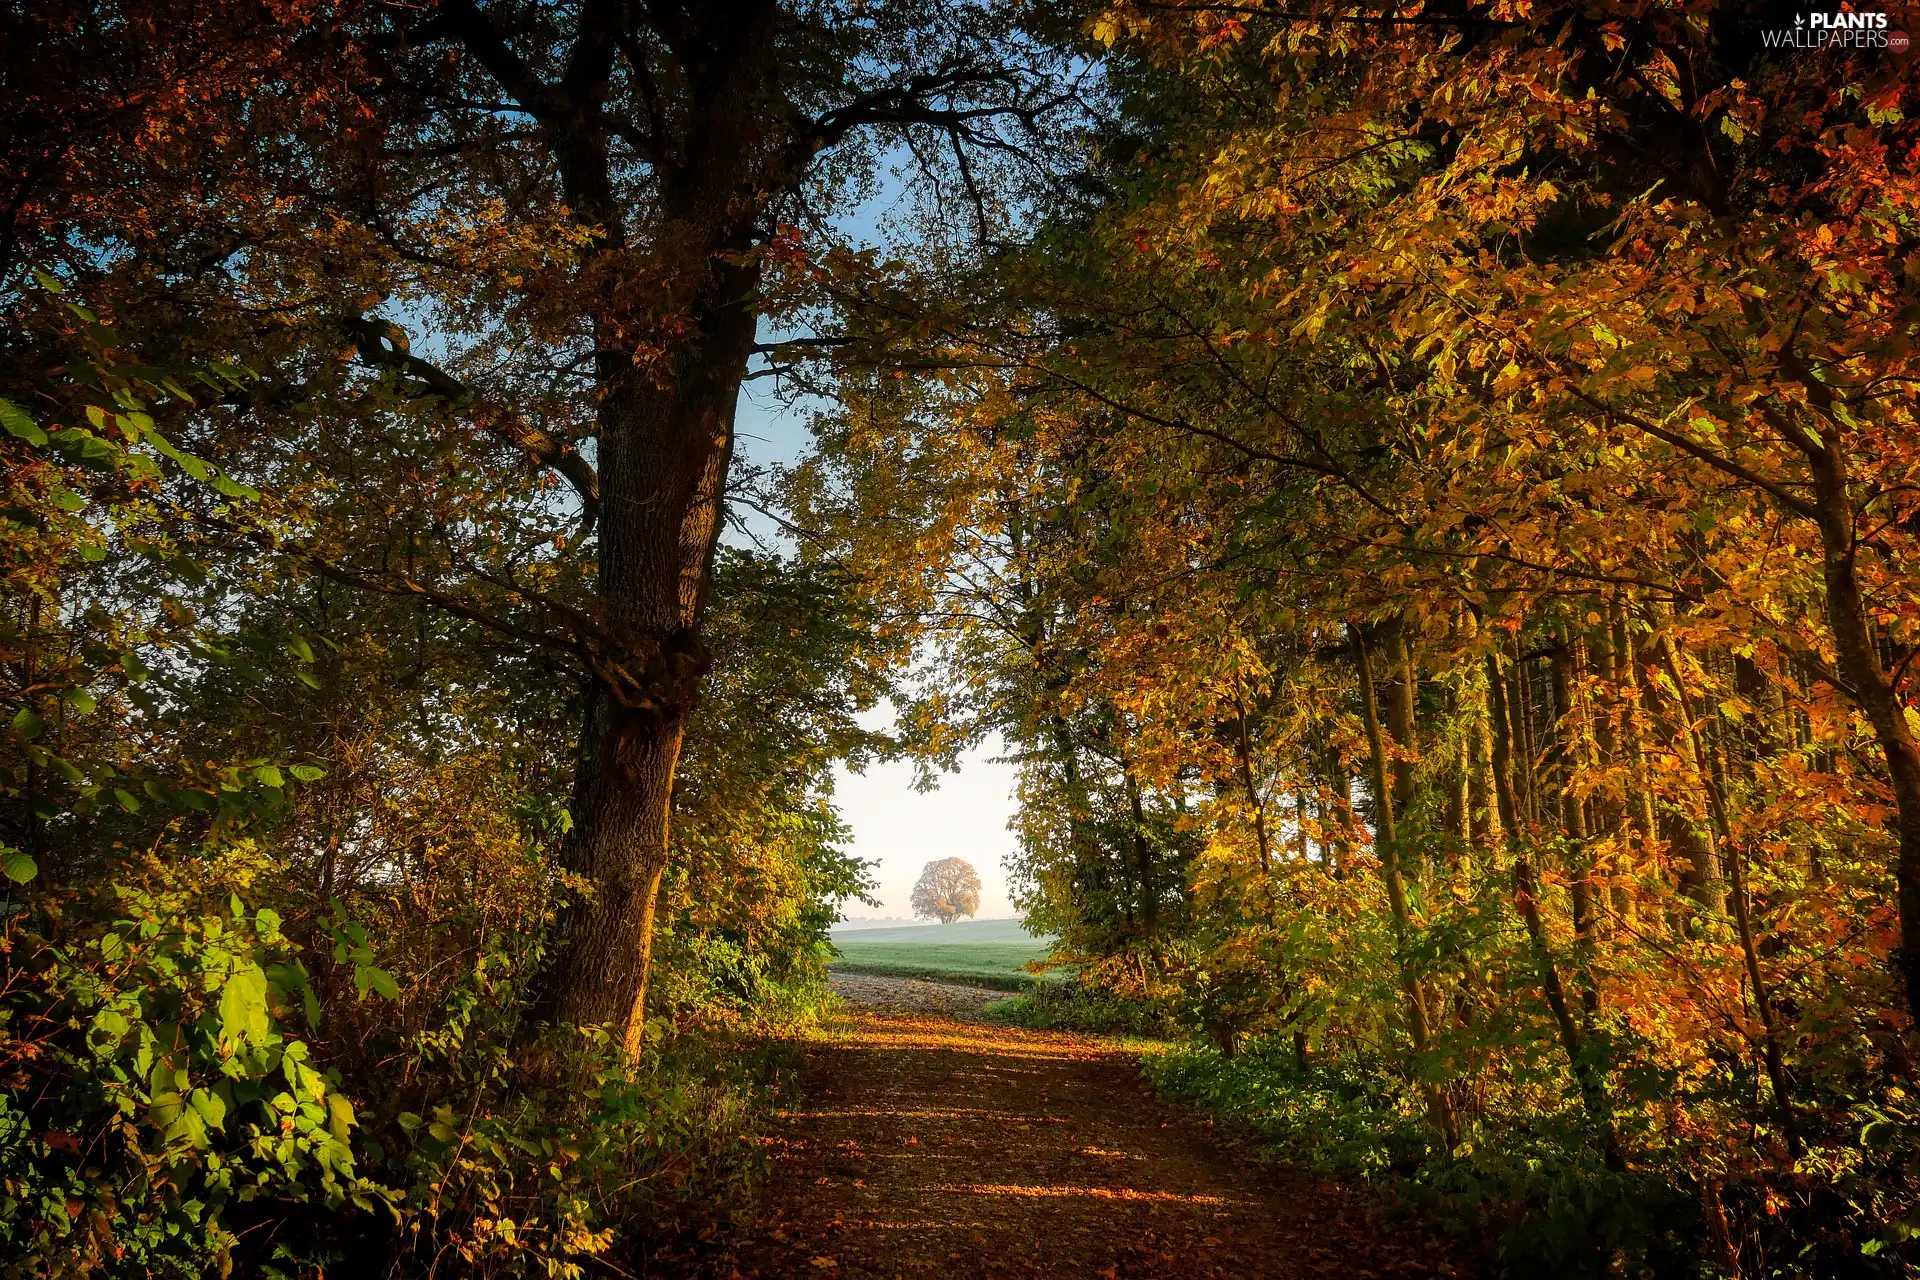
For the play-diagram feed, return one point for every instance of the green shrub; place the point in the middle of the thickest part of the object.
(537, 1158)
(1068, 1006)
(172, 1109)
(1539, 1194)
(155, 1044)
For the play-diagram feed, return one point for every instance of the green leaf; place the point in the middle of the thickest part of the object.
(27, 724)
(188, 570)
(186, 461)
(80, 700)
(307, 772)
(211, 1107)
(234, 489)
(18, 424)
(68, 500)
(243, 1006)
(308, 679)
(285, 978)
(367, 978)
(47, 282)
(270, 774)
(17, 866)
(340, 1117)
(300, 648)
(93, 448)
(126, 800)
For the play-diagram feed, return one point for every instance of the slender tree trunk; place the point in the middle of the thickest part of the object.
(1388, 847)
(1340, 824)
(1608, 808)
(1526, 892)
(1143, 856)
(1526, 764)
(1460, 786)
(1573, 819)
(1872, 688)
(1640, 786)
(1702, 880)
(1244, 749)
(1486, 808)
(1735, 866)
(1301, 842)
(1402, 723)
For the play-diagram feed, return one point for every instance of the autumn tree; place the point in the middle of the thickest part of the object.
(946, 890)
(551, 234)
(1402, 443)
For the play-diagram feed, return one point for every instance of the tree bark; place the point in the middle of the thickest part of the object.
(672, 313)
(1387, 845)
(1143, 856)
(663, 459)
(1526, 892)
(1701, 880)
(1872, 688)
(1244, 750)
(1567, 669)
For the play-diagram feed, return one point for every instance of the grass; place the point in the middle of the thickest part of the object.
(985, 953)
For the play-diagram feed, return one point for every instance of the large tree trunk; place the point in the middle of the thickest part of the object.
(664, 453)
(673, 328)
(602, 944)
(1873, 690)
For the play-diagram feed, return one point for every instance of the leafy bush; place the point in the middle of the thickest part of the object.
(172, 1109)
(1068, 1006)
(1538, 1192)
(536, 1158)
(155, 1044)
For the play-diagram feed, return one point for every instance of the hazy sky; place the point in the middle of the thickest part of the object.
(900, 828)
(905, 829)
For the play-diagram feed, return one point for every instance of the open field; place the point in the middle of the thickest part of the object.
(990, 953)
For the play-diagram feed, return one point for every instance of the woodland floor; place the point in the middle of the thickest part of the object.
(932, 1142)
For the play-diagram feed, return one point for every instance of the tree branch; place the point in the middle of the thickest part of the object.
(384, 345)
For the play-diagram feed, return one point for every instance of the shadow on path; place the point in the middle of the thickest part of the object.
(931, 1146)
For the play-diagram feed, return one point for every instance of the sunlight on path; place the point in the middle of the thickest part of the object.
(930, 1146)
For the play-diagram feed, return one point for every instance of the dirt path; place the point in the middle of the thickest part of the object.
(932, 1145)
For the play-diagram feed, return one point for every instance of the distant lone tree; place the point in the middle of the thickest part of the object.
(948, 889)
